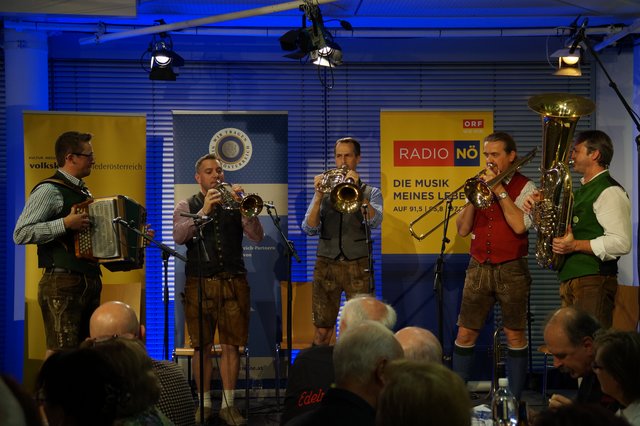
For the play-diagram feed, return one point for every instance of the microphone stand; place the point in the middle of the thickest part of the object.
(291, 252)
(437, 278)
(369, 243)
(202, 258)
(166, 253)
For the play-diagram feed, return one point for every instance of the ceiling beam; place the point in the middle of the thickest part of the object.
(608, 41)
(155, 29)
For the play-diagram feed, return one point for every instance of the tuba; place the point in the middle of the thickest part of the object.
(552, 213)
(345, 195)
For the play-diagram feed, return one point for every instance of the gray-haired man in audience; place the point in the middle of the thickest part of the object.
(359, 359)
(311, 375)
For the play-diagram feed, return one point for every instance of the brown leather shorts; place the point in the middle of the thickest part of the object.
(225, 303)
(507, 283)
(332, 277)
(67, 300)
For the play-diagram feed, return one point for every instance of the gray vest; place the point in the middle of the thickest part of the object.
(342, 234)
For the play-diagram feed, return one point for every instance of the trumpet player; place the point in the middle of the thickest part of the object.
(225, 287)
(498, 268)
(343, 254)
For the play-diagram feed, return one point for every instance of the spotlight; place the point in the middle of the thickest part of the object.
(328, 56)
(315, 41)
(164, 62)
(568, 62)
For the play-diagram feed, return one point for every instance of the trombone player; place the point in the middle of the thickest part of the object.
(498, 269)
(343, 253)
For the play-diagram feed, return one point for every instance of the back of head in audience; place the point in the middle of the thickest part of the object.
(128, 358)
(17, 407)
(419, 344)
(579, 415)
(419, 392)
(366, 308)
(115, 319)
(617, 364)
(360, 356)
(78, 387)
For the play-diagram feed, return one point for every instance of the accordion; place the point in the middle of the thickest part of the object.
(112, 244)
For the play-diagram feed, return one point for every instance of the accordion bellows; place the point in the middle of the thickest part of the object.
(110, 242)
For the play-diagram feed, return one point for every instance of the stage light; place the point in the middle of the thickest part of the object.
(328, 56)
(314, 42)
(164, 62)
(568, 62)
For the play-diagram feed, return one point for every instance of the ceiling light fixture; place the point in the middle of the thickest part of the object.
(314, 42)
(568, 62)
(163, 63)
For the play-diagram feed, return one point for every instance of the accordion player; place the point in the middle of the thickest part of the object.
(109, 243)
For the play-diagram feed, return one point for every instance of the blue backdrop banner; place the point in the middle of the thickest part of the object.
(253, 149)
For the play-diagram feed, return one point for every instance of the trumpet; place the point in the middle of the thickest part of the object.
(344, 193)
(478, 192)
(249, 205)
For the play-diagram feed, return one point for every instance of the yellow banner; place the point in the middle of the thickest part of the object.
(119, 143)
(426, 156)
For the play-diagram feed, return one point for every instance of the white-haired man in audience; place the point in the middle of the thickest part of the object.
(119, 319)
(311, 375)
(359, 359)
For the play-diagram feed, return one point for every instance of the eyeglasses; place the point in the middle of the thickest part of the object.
(81, 154)
(595, 366)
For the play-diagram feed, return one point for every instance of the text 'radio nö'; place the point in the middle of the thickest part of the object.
(436, 153)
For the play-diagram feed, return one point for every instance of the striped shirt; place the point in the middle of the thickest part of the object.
(35, 224)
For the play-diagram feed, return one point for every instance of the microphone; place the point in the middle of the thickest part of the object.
(121, 221)
(269, 205)
(579, 37)
(194, 216)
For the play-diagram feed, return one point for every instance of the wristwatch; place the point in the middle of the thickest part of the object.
(503, 195)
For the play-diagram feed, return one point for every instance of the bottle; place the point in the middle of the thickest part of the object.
(504, 406)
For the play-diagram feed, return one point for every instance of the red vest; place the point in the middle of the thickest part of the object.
(493, 240)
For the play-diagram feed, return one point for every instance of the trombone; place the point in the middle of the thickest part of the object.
(478, 192)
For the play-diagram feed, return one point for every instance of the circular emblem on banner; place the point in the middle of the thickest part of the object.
(233, 148)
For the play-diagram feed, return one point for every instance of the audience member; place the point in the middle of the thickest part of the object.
(139, 389)
(422, 393)
(359, 360)
(618, 370)
(176, 401)
(419, 344)
(311, 374)
(569, 336)
(17, 407)
(78, 387)
(579, 415)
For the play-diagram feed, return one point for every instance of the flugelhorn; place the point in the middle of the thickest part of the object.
(249, 205)
(345, 195)
(478, 192)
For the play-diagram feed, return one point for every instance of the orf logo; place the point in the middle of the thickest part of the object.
(233, 148)
(473, 123)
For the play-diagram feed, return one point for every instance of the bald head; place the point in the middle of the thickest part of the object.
(573, 323)
(366, 308)
(419, 344)
(114, 318)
